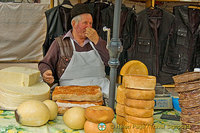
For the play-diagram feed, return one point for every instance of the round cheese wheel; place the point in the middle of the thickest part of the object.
(139, 121)
(32, 113)
(120, 109)
(53, 108)
(142, 113)
(140, 94)
(120, 119)
(99, 114)
(75, 117)
(140, 82)
(140, 104)
(120, 94)
(130, 128)
(91, 127)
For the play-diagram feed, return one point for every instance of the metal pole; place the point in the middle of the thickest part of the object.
(115, 48)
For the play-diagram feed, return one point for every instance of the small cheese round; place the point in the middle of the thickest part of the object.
(75, 117)
(91, 127)
(140, 94)
(139, 121)
(120, 119)
(120, 94)
(142, 113)
(53, 108)
(120, 109)
(32, 113)
(140, 104)
(99, 114)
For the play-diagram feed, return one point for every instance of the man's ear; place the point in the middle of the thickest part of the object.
(73, 23)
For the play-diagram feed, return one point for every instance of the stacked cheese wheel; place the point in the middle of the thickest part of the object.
(138, 104)
(99, 119)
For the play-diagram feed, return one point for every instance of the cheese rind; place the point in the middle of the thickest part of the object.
(19, 76)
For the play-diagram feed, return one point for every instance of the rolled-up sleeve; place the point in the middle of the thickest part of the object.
(103, 51)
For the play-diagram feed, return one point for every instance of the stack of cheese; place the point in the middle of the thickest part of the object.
(19, 84)
(99, 119)
(139, 103)
(76, 96)
(188, 87)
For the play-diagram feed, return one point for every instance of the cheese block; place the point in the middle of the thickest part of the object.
(140, 94)
(11, 96)
(120, 94)
(140, 104)
(19, 76)
(142, 113)
(120, 109)
(140, 82)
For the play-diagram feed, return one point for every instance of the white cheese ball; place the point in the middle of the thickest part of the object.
(32, 113)
(75, 118)
(53, 108)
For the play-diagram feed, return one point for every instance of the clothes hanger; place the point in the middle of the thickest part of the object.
(66, 2)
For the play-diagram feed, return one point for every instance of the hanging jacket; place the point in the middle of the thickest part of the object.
(153, 33)
(58, 23)
(126, 28)
(184, 55)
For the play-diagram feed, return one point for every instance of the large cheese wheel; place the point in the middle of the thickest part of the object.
(120, 109)
(91, 127)
(11, 96)
(120, 94)
(130, 128)
(140, 82)
(140, 104)
(99, 114)
(32, 113)
(140, 94)
(139, 121)
(142, 113)
(120, 119)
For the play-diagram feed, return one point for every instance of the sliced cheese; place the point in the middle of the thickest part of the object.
(11, 96)
(19, 76)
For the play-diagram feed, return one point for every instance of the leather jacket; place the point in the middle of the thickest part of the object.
(58, 23)
(184, 54)
(153, 34)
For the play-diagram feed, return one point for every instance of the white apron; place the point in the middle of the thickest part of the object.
(85, 68)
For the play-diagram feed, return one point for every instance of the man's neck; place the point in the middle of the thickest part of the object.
(78, 39)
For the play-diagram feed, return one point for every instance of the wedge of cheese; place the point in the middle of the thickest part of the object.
(19, 76)
(11, 95)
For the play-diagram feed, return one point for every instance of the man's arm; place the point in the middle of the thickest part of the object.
(100, 44)
(47, 65)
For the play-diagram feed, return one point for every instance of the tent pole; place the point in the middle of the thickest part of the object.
(115, 48)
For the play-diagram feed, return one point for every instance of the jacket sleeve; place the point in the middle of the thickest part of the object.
(50, 59)
(103, 51)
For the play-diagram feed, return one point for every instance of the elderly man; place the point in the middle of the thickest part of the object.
(78, 57)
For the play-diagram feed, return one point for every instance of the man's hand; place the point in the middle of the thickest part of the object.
(48, 77)
(92, 35)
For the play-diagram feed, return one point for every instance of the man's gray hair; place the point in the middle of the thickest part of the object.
(76, 19)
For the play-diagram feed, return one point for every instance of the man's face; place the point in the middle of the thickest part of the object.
(85, 22)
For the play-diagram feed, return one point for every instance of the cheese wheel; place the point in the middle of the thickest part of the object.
(142, 113)
(130, 128)
(91, 127)
(120, 94)
(120, 119)
(120, 109)
(140, 82)
(99, 114)
(140, 94)
(139, 121)
(11, 96)
(140, 104)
